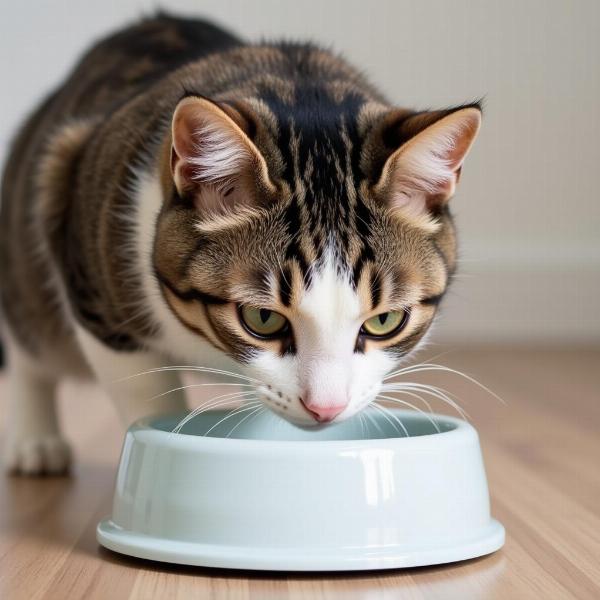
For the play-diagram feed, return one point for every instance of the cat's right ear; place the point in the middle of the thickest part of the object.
(213, 160)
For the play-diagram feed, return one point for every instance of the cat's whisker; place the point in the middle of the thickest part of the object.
(232, 413)
(394, 390)
(428, 363)
(361, 420)
(213, 403)
(246, 402)
(368, 424)
(217, 400)
(412, 368)
(385, 412)
(200, 410)
(191, 368)
(250, 415)
(436, 367)
(262, 410)
(416, 408)
(198, 385)
(373, 420)
(399, 384)
(434, 357)
(432, 391)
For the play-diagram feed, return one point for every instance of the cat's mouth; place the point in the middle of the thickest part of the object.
(292, 408)
(295, 411)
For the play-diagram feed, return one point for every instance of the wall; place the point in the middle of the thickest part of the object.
(528, 207)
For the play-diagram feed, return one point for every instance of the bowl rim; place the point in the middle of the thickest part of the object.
(462, 433)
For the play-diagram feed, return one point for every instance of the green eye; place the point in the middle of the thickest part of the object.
(385, 324)
(262, 321)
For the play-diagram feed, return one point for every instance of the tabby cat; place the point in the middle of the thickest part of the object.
(186, 198)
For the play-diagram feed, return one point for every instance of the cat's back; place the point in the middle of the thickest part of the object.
(119, 67)
(133, 59)
(113, 71)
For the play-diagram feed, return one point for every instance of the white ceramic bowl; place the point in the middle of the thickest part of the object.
(275, 497)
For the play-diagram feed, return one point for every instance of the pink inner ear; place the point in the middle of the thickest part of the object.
(423, 173)
(214, 160)
(208, 147)
(411, 204)
(211, 200)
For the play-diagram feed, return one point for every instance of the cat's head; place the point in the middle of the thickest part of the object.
(310, 242)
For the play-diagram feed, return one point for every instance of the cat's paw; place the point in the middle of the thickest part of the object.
(37, 455)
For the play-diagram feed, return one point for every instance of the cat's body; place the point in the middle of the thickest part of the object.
(95, 103)
(179, 182)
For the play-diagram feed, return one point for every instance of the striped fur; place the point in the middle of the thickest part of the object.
(291, 194)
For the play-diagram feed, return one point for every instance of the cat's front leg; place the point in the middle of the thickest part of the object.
(33, 443)
(137, 382)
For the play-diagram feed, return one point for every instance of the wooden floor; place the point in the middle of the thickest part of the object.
(542, 453)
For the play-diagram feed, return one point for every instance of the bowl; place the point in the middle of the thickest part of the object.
(395, 489)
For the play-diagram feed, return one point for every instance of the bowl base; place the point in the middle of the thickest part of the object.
(115, 538)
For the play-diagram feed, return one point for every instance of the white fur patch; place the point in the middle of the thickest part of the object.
(32, 442)
(173, 339)
(326, 371)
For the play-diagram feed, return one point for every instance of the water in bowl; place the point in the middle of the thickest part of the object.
(369, 424)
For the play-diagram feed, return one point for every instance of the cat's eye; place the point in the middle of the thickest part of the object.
(263, 322)
(385, 324)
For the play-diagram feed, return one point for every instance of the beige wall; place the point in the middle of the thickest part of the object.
(528, 208)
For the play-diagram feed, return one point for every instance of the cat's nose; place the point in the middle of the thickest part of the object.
(324, 414)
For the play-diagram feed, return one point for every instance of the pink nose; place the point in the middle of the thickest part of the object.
(324, 414)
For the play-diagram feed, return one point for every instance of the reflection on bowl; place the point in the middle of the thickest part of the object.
(260, 493)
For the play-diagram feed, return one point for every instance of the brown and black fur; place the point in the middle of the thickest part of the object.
(324, 131)
(94, 102)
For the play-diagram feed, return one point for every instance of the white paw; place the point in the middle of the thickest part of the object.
(37, 455)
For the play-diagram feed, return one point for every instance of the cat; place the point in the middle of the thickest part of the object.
(186, 198)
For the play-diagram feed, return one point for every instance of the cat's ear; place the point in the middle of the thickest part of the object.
(420, 176)
(213, 160)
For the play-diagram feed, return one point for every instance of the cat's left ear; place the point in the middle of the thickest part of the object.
(421, 175)
(213, 159)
